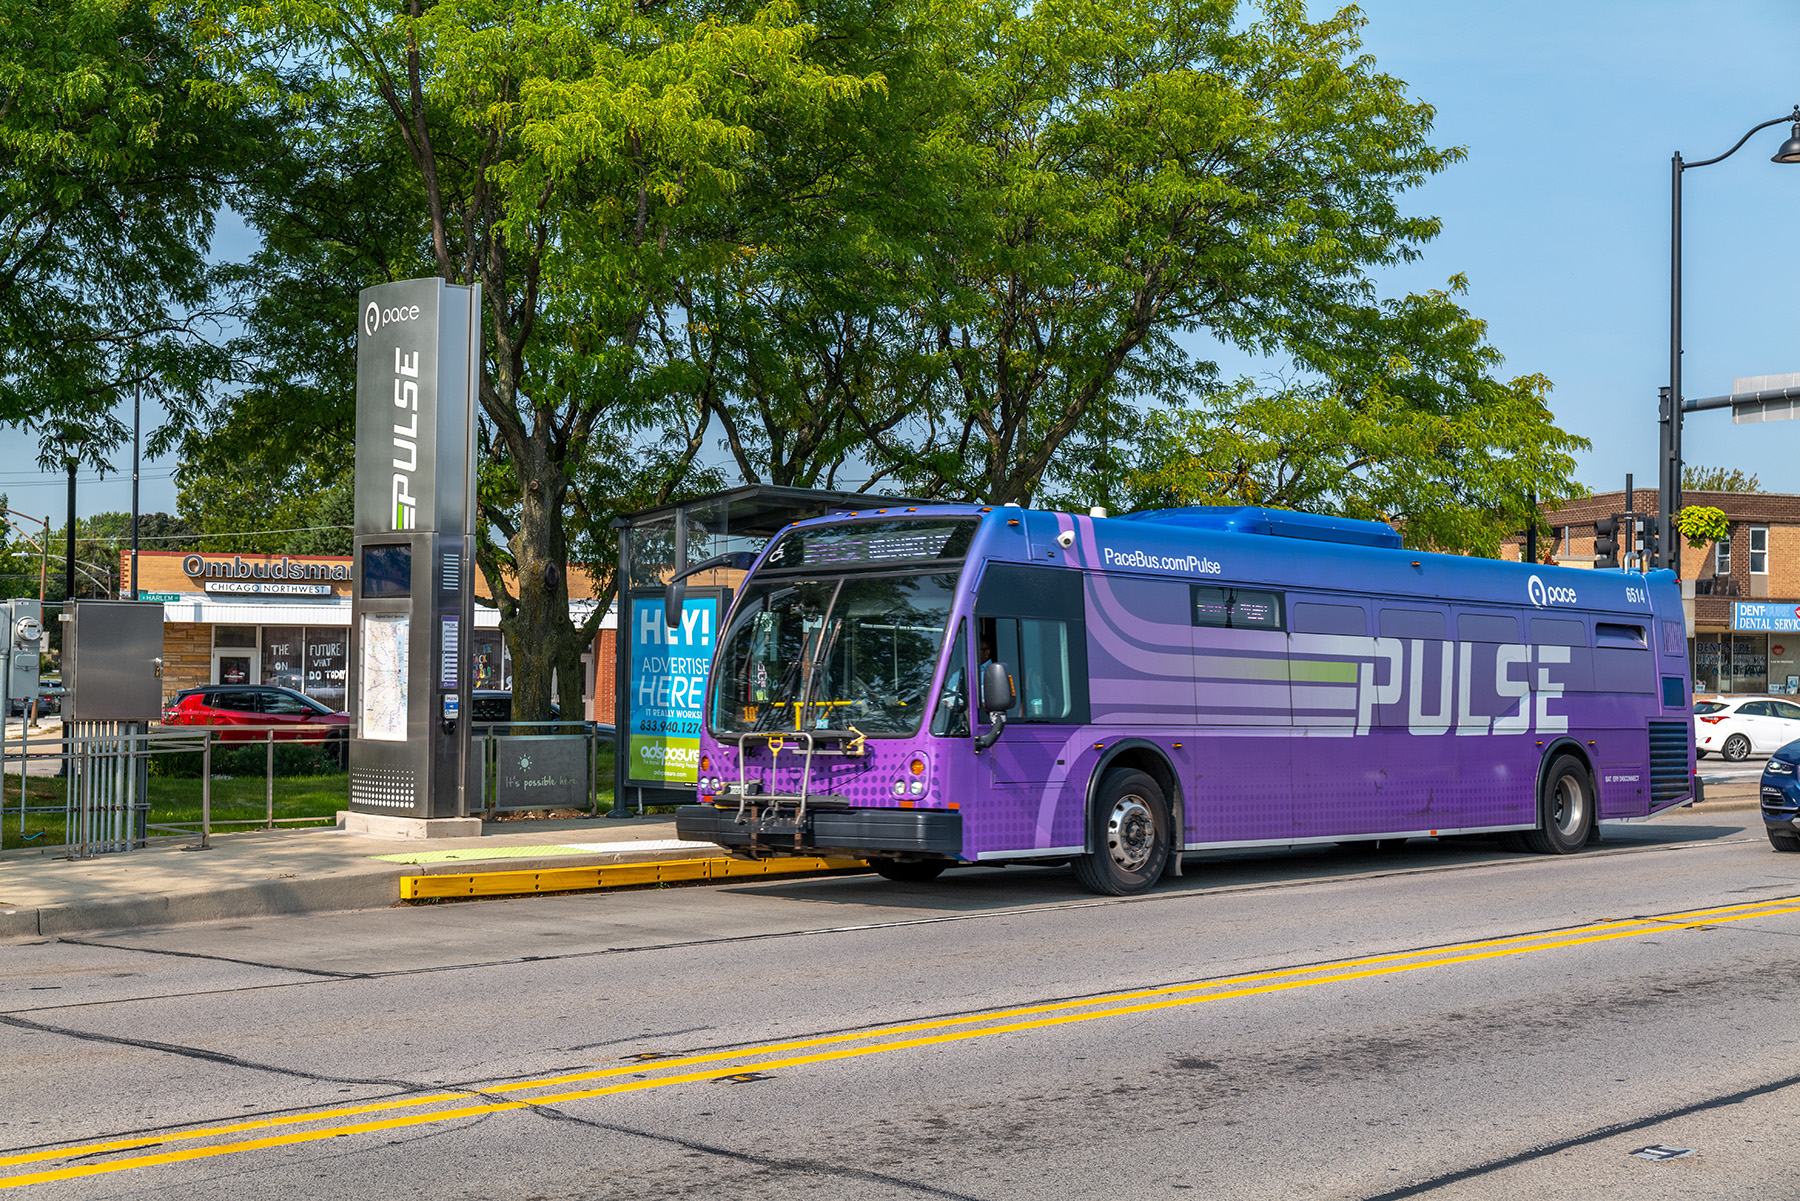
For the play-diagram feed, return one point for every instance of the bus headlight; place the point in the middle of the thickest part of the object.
(899, 787)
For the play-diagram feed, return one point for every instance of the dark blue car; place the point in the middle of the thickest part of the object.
(1781, 797)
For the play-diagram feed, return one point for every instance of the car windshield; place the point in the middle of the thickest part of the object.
(1707, 707)
(835, 652)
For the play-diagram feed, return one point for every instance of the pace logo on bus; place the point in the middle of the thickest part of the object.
(1544, 595)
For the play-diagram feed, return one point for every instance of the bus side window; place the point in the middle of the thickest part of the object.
(1034, 620)
(1036, 652)
(951, 717)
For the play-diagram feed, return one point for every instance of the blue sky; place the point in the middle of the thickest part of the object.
(1559, 217)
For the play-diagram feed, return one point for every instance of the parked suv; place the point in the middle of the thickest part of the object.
(259, 705)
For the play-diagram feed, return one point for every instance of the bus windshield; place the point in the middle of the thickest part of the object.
(831, 652)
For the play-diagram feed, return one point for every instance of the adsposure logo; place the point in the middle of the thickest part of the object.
(374, 317)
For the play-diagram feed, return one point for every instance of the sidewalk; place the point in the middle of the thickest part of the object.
(265, 873)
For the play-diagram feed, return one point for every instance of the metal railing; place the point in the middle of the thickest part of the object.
(105, 805)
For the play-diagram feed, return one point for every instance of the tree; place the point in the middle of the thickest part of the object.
(560, 153)
(1113, 184)
(1425, 438)
(113, 165)
(1717, 479)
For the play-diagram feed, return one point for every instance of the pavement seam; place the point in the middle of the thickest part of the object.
(274, 967)
(187, 1052)
(1592, 1136)
(809, 1166)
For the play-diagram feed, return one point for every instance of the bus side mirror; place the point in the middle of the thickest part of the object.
(997, 694)
(674, 600)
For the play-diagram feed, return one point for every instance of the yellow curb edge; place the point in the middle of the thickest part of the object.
(611, 875)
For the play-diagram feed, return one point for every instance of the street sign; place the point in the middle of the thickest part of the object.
(1754, 412)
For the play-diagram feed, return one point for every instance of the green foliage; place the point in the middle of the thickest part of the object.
(1424, 438)
(112, 169)
(567, 157)
(1717, 479)
(291, 759)
(1703, 525)
(1115, 181)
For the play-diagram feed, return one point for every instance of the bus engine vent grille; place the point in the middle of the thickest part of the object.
(1669, 777)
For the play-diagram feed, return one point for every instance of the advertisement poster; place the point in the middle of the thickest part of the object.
(667, 687)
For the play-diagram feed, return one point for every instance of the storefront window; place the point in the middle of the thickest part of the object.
(327, 660)
(235, 636)
(1749, 663)
(281, 656)
(1707, 654)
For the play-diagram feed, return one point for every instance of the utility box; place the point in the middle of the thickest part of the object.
(24, 646)
(112, 660)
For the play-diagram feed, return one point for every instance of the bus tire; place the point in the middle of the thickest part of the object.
(909, 871)
(1129, 831)
(1565, 809)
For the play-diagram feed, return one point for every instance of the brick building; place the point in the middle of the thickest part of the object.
(285, 619)
(1742, 593)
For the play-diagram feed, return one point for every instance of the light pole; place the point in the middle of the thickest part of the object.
(1668, 500)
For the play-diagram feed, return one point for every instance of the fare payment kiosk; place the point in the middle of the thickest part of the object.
(417, 367)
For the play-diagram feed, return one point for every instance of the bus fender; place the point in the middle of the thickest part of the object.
(1146, 756)
(1566, 746)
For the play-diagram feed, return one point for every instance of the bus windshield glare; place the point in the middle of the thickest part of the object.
(831, 652)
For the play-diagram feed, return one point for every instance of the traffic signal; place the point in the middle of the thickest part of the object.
(1650, 542)
(1606, 542)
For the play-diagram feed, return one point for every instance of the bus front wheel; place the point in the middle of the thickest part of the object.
(1565, 809)
(1129, 831)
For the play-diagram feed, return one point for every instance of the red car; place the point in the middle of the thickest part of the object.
(260, 705)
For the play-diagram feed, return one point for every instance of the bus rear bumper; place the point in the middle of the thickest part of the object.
(843, 833)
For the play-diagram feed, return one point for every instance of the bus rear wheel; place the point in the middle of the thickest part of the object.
(1565, 809)
(909, 871)
(1129, 831)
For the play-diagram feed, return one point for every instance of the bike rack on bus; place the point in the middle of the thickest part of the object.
(854, 745)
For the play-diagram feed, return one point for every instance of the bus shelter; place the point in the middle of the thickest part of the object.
(661, 669)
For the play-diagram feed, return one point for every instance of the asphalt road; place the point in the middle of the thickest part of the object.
(1447, 1021)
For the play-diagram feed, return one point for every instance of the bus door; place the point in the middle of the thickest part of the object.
(1032, 620)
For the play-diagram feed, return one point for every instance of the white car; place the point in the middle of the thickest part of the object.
(1740, 726)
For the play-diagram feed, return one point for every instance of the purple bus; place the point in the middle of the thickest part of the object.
(942, 685)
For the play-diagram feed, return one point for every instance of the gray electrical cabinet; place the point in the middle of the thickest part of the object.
(112, 660)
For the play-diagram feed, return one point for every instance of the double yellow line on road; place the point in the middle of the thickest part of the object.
(639, 1074)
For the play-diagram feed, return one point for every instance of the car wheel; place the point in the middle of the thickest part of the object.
(1129, 831)
(1565, 809)
(1736, 749)
(909, 871)
(1781, 840)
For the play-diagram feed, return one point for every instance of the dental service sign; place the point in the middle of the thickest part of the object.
(669, 666)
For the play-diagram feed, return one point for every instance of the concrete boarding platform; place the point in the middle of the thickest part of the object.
(266, 873)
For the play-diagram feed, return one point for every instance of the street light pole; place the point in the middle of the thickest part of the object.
(1668, 498)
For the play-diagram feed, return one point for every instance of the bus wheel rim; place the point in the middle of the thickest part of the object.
(1130, 833)
(1569, 805)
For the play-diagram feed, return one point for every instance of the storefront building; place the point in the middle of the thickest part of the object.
(1741, 593)
(285, 619)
